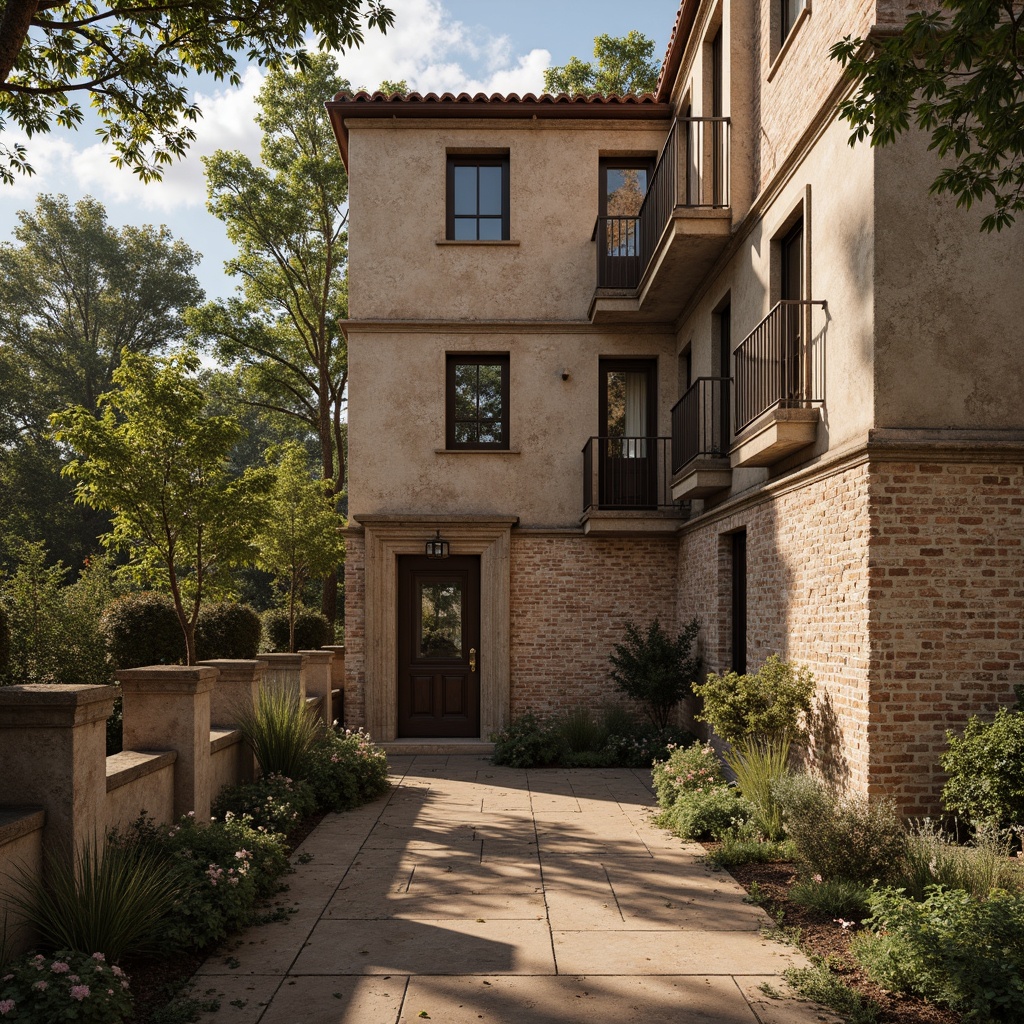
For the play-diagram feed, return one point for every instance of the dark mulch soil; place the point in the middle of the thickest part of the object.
(822, 937)
(156, 982)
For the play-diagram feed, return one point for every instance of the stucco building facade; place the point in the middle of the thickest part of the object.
(688, 354)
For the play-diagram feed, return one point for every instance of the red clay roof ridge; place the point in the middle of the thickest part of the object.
(597, 99)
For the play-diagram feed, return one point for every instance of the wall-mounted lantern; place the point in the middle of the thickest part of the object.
(437, 548)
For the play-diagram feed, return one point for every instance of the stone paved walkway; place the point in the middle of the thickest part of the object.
(480, 894)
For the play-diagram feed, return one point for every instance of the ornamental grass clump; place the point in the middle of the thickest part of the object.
(67, 986)
(281, 729)
(113, 900)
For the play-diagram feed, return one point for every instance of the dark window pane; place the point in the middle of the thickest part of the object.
(626, 188)
(465, 433)
(490, 229)
(490, 191)
(465, 190)
(465, 392)
(465, 228)
(490, 392)
(490, 433)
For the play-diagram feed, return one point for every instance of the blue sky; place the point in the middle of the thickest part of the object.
(435, 45)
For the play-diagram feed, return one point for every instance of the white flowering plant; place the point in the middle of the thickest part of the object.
(73, 987)
(346, 769)
(276, 803)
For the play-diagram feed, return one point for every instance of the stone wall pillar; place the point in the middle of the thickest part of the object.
(317, 670)
(167, 707)
(237, 685)
(53, 754)
(285, 671)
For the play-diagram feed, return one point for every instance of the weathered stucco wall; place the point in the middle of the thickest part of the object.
(397, 461)
(398, 269)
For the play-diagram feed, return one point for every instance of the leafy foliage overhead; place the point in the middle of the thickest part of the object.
(624, 65)
(132, 62)
(957, 73)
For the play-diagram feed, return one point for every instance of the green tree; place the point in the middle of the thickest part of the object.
(288, 220)
(301, 536)
(956, 73)
(624, 65)
(132, 61)
(157, 462)
(74, 294)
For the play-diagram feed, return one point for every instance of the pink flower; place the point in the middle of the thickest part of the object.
(99, 956)
(79, 992)
(816, 878)
(842, 924)
(6, 1005)
(59, 967)
(118, 973)
(41, 986)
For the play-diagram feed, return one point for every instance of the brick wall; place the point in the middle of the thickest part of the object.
(571, 598)
(947, 612)
(355, 631)
(807, 576)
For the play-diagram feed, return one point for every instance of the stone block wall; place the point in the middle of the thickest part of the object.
(947, 611)
(571, 598)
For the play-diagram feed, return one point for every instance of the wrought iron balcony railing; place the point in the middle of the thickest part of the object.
(780, 364)
(700, 422)
(692, 171)
(627, 473)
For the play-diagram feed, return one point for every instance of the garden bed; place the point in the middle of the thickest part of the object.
(824, 939)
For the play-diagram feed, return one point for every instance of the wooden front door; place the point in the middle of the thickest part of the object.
(439, 646)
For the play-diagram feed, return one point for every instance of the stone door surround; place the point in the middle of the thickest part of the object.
(387, 537)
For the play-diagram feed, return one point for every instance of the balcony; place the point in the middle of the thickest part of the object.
(700, 439)
(780, 383)
(626, 486)
(648, 265)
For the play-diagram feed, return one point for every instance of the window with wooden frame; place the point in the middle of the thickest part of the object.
(476, 401)
(478, 198)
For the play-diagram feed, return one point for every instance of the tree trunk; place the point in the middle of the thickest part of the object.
(291, 615)
(14, 26)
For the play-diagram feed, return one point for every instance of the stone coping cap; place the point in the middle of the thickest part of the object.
(16, 822)
(236, 669)
(54, 704)
(318, 656)
(168, 678)
(336, 648)
(282, 658)
(129, 765)
(224, 737)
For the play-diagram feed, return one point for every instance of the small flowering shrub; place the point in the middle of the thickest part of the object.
(705, 813)
(67, 986)
(225, 866)
(953, 948)
(345, 770)
(687, 769)
(526, 742)
(274, 803)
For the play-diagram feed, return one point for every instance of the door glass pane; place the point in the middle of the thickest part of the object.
(465, 190)
(626, 397)
(625, 189)
(490, 191)
(440, 632)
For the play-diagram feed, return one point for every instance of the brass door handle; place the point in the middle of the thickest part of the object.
(472, 659)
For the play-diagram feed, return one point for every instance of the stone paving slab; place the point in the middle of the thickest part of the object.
(475, 893)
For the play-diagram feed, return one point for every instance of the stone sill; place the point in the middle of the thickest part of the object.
(478, 451)
(16, 822)
(477, 241)
(221, 738)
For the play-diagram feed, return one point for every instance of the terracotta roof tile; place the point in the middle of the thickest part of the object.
(495, 98)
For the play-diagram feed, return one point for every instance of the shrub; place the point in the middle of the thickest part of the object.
(581, 731)
(228, 630)
(831, 897)
(224, 868)
(846, 838)
(53, 629)
(690, 769)
(79, 988)
(765, 705)
(5, 642)
(346, 770)
(759, 764)
(934, 858)
(312, 630)
(280, 729)
(744, 844)
(986, 769)
(112, 901)
(952, 947)
(526, 743)
(274, 803)
(705, 813)
(820, 985)
(655, 669)
(143, 629)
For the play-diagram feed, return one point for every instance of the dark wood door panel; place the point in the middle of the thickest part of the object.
(438, 647)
